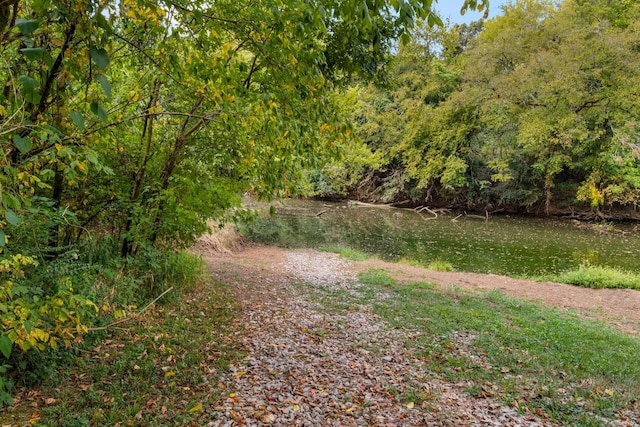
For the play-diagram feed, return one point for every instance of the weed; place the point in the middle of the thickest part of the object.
(154, 372)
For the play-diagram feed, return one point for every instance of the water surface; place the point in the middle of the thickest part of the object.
(502, 244)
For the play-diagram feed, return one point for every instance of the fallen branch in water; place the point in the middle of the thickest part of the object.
(368, 205)
(420, 209)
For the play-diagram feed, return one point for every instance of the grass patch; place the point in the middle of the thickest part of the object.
(599, 277)
(551, 362)
(436, 265)
(376, 276)
(348, 253)
(155, 370)
(440, 265)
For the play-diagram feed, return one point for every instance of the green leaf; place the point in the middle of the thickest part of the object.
(29, 83)
(98, 111)
(3, 239)
(78, 120)
(106, 86)
(27, 26)
(5, 345)
(100, 57)
(11, 217)
(22, 144)
(28, 325)
(32, 53)
(102, 23)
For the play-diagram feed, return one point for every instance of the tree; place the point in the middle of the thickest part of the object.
(141, 120)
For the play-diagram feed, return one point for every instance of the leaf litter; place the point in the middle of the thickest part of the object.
(310, 366)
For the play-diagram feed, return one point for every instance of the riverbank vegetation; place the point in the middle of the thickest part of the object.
(534, 111)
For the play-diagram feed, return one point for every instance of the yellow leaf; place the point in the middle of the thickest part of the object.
(169, 374)
(232, 395)
(608, 392)
(296, 408)
(81, 167)
(196, 408)
(410, 405)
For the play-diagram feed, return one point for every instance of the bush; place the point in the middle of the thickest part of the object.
(44, 311)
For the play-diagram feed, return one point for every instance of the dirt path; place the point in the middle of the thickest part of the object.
(307, 366)
(310, 367)
(618, 307)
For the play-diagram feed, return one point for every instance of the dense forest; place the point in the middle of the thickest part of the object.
(533, 111)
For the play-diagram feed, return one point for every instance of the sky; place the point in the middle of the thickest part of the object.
(451, 9)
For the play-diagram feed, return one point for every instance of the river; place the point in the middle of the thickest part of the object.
(510, 245)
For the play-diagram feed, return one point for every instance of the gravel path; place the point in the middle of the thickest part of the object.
(308, 366)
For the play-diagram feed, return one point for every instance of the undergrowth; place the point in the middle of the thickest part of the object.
(156, 368)
(50, 311)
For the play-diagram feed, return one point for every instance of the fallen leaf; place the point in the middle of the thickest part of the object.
(196, 408)
(608, 392)
(410, 405)
(268, 418)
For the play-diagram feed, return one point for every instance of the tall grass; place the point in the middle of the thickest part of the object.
(599, 277)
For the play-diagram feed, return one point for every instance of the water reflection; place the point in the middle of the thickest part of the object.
(503, 245)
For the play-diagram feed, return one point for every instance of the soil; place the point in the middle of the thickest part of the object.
(617, 307)
(309, 366)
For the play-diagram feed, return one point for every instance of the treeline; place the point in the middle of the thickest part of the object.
(537, 110)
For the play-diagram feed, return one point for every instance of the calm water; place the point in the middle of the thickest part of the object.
(504, 245)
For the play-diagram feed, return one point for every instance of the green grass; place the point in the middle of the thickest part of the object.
(436, 264)
(348, 253)
(547, 360)
(376, 276)
(440, 265)
(158, 369)
(599, 277)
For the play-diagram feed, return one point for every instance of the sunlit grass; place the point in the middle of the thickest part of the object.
(440, 265)
(598, 277)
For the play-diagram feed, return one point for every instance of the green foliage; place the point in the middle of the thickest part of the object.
(300, 231)
(529, 109)
(599, 277)
(141, 121)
